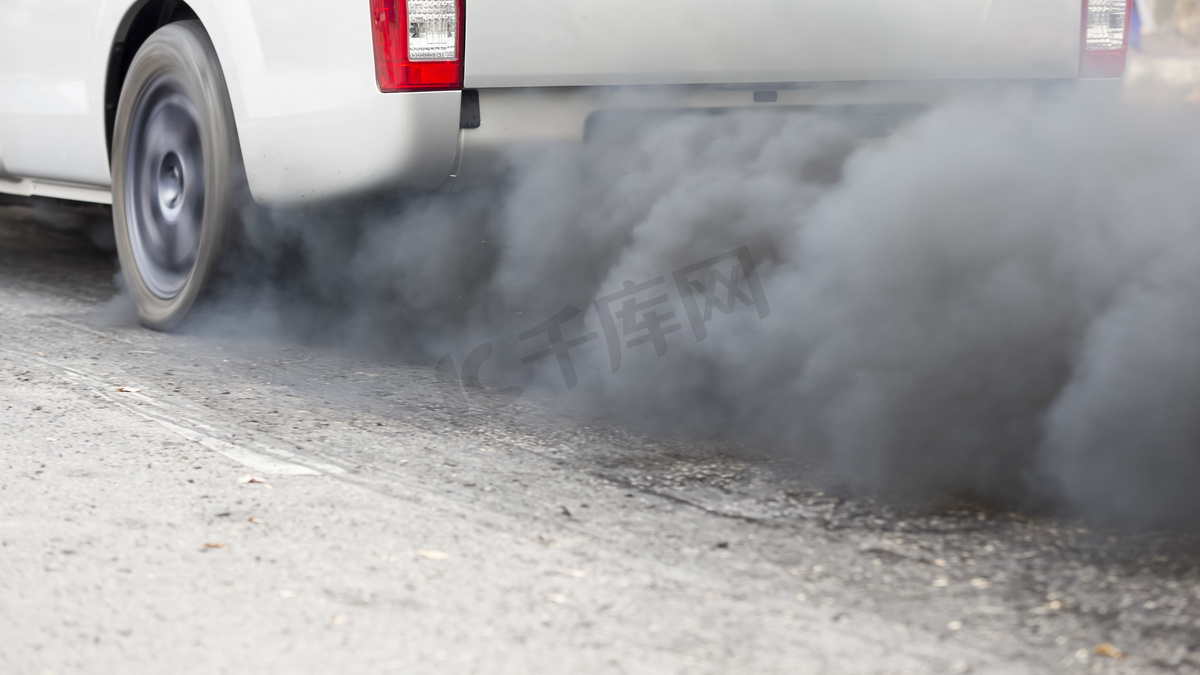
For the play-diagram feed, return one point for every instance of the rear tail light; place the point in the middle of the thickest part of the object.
(1105, 37)
(418, 44)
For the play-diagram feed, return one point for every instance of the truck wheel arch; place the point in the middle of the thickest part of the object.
(140, 21)
(319, 139)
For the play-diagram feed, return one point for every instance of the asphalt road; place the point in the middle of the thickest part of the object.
(189, 503)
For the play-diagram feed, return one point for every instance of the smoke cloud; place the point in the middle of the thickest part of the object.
(1002, 298)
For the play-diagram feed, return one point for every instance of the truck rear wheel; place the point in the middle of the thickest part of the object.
(177, 172)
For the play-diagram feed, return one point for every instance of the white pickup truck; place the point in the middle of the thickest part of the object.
(169, 110)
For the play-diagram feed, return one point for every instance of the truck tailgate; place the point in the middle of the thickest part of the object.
(534, 43)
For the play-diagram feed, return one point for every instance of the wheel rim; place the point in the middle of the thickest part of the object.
(164, 187)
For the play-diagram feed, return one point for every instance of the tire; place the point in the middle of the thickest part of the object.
(177, 173)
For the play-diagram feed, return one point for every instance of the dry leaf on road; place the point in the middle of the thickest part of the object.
(1110, 650)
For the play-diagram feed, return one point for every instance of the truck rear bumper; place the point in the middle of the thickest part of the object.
(513, 121)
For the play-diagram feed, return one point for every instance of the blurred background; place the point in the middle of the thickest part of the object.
(1164, 62)
(1170, 22)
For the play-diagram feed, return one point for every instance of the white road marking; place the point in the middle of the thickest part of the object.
(172, 416)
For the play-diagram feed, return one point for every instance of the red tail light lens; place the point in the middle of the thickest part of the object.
(418, 44)
(1105, 37)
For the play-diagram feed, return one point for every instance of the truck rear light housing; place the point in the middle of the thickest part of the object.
(418, 44)
(1105, 37)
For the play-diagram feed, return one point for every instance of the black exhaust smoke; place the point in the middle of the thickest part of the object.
(1003, 298)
